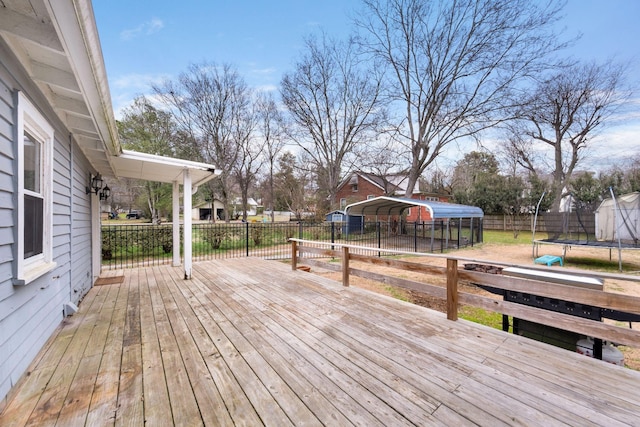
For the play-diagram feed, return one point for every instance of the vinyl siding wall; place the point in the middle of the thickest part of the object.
(29, 314)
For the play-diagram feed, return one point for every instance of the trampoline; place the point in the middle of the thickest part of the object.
(616, 227)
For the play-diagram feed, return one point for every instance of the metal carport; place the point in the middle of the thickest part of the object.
(445, 212)
(385, 205)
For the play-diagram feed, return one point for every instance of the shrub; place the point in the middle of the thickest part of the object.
(290, 232)
(214, 236)
(115, 241)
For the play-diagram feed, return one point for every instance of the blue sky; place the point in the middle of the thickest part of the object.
(147, 41)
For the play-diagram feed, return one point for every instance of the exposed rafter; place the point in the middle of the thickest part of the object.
(54, 76)
(70, 105)
(32, 29)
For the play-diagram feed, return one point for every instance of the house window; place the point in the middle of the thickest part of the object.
(33, 195)
(371, 196)
(354, 188)
(35, 176)
(343, 203)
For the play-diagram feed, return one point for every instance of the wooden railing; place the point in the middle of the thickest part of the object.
(453, 274)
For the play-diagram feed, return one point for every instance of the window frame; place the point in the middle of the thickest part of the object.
(31, 121)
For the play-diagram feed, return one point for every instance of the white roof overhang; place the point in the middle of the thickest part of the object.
(131, 164)
(385, 205)
(57, 44)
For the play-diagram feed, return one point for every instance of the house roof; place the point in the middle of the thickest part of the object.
(57, 43)
(385, 205)
(391, 183)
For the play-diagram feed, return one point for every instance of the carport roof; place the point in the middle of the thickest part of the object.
(385, 205)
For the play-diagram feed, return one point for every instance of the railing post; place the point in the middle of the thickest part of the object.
(452, 289)
(345, 266)
(333, 234)
(379, 232)
(294, 255)
(246, 240)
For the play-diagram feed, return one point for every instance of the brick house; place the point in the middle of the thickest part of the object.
(359, 186)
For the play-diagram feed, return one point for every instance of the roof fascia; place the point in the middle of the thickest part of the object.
(75, 24)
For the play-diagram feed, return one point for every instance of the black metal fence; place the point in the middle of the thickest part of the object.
(125, 246)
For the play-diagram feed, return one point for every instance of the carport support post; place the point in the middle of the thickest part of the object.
(452, 289)
(175, 223)
(187, 223)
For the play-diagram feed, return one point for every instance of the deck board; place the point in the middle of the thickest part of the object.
(318, 355)
(130, 392)
(104, 400)
(201, 380)
(249, 342)
(157, 407)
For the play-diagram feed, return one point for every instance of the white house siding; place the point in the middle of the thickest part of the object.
(81, 274)
(29, 314)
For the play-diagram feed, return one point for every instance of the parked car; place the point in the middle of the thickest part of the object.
(135, 214)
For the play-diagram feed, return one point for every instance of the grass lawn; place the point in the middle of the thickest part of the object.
(506, 237)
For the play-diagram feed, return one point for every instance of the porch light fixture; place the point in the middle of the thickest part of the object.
(105, 193)
(95, 186)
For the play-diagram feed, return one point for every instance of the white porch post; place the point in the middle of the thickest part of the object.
(186, 200)
(176, 223)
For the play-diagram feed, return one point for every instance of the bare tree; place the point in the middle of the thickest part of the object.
(439, 181)
(290, 182)
(335, 108)
(209, 103)
(250, 157)
(560, 118)
(453, 63)
(271, 130)
(381, 158)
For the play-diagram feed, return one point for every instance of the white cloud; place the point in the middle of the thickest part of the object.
(125, 89)
(264, 71)
(144, 29)
(267, 88)
(140, 82)
(614, 147)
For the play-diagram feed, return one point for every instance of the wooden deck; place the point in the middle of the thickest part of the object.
(250, 342)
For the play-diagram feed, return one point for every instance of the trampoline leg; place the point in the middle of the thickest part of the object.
(620, 259)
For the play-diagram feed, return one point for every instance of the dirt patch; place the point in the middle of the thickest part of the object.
(594, 259)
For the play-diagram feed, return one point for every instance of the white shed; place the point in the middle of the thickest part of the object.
(619, 219)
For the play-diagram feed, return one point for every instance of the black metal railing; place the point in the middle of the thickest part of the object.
(125, 246)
